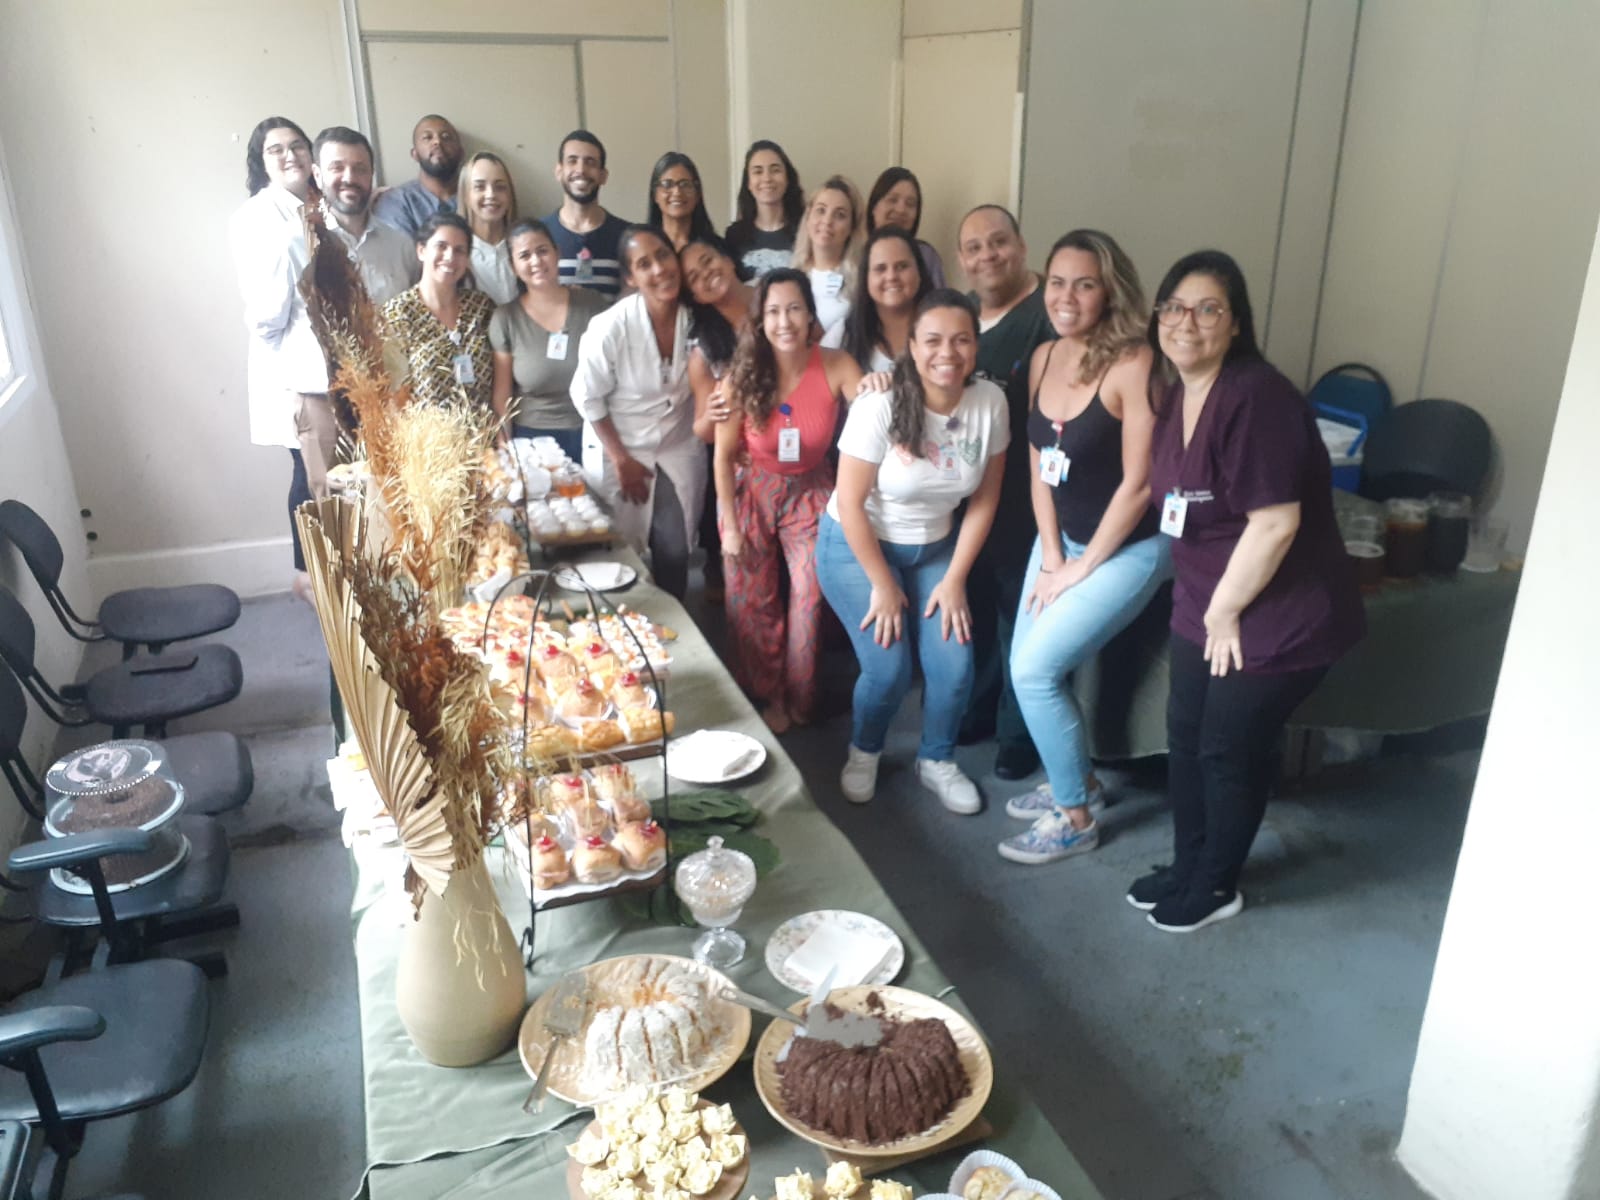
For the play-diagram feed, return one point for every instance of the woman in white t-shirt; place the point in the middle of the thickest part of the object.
(908, 457)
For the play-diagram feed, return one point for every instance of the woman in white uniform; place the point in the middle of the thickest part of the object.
(640, 452)
(487, 198)
(284, 357)
(828, 248)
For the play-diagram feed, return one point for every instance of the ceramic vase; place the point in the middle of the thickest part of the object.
(460, 988)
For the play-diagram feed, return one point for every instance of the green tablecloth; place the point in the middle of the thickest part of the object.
(1431, 656)
(434, 1132)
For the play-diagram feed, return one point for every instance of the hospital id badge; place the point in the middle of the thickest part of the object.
(585, 270)
(1174, 511)
(949, 463)
(789, 445)
(1053, 466)
(832, 283)
(556, 348)
(461, 364)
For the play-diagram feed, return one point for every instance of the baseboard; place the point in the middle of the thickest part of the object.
(255, 568)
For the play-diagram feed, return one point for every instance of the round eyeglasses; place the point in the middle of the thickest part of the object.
(1206, 314)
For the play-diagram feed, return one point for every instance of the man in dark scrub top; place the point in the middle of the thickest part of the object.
(1011, 322)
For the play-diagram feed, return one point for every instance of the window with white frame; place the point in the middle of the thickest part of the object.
(13, 343)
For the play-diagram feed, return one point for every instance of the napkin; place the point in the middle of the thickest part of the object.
(857, 955)
(601, 574)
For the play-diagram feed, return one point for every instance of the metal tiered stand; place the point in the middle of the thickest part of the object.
(540, 582)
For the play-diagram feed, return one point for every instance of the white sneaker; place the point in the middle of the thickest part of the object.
(859, 779)
(945, 780)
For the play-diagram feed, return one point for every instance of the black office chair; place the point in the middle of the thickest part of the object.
(153, 617)
(214, 767)
(180, 904)
(1426, 446)
(14, 1142)
(102, 1043)
(147, 691)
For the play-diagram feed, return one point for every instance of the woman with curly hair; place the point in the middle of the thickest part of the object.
(1098, 558)
(773, 478)
(908, 458)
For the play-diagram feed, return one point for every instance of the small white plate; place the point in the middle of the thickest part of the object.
(600, 576)
(714, 756)
(792, 934)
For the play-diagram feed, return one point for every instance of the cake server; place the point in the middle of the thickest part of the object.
(569, 1001)
(847, 1029)
(734, 995)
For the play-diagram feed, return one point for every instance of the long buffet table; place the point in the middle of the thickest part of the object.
(435, 1132)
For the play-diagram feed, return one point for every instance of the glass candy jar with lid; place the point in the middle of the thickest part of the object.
(716, 883)
(124, 784)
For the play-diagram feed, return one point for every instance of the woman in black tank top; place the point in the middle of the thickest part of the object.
(1097, 560)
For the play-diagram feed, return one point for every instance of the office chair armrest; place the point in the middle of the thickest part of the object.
(35, 1027)
(77, 848)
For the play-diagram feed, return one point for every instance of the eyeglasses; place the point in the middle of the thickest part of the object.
(677, 185)
(295, 147)
(1206, 314)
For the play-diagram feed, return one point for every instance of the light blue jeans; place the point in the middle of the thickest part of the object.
(886, 670)
(1049, 645)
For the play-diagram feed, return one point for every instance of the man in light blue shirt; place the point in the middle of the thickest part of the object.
(436, 147)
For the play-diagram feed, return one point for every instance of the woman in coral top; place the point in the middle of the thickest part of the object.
(786, 396)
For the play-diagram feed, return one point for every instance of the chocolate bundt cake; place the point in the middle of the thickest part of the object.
(904, 1085)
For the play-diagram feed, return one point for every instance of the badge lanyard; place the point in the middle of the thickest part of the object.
(1053, 462)
(788, 436)
(1174, 512)
(461, 362)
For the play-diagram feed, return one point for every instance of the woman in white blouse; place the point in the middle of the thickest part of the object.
(284, 358)
(892, 558)
(828, 248)
(632, 388)
(487, 198)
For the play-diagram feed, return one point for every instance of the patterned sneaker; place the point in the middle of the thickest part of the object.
(1041, 801)
(1050, 838)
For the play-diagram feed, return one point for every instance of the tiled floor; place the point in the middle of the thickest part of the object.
(1263, 1059)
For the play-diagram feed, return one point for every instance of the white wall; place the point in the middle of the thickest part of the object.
(1507, 1079)
(1467, 194)
(818, 78)
(1408, 185)
(958, 112)
(125, 127)
(34, 469)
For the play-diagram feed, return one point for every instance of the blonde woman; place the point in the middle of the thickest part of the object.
(1098, 557)
(827, 247)
(488, 200)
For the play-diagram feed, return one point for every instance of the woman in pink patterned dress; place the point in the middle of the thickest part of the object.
(787, 396)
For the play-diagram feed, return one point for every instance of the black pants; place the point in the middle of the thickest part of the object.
(299, 493)
(669, 540)
(710, 536)
(1223, 736)
(994, 590)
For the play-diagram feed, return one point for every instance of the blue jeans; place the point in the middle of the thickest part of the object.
(886, 670)
(1049, 645)
(570, 440)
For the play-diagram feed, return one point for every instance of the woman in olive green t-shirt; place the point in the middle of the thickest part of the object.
(535, 340)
